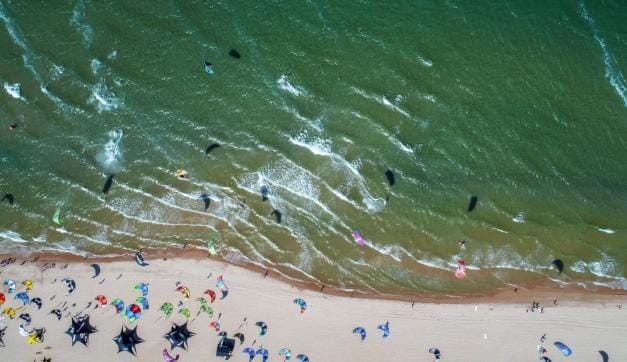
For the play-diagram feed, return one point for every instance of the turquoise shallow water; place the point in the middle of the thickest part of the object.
(523, 105)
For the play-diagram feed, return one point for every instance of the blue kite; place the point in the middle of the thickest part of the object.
(361, 331)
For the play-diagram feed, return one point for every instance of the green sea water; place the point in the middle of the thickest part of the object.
(523, 104)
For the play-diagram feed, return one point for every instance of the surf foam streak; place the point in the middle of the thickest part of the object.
(14, 90)
(287, 86)
(614, 76)
(19, 40)
(110, 158)
(77, 21)
(322, 148)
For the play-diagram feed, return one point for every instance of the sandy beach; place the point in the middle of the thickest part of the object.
(492, 328)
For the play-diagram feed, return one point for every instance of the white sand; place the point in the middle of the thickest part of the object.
(494, 332)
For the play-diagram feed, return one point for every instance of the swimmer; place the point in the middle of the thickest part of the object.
(182, 174)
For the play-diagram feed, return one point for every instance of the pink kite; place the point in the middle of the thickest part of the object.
(215, 325)
(168, 358)
(358, 239)
(460, 273)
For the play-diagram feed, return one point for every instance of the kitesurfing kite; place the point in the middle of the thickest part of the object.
(361, 331)
(139, 259)
(223, 288)
(263, 328)
(566, 351)
(142, 287)
(385, 328)
(460, 273)
(358, 238)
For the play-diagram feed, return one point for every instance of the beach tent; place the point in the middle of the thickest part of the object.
(127, 340)
(225, 347)
(178, 336)
(80, 330)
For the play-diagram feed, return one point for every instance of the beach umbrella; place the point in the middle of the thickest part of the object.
(286, 353)
(263, 327)
(127, 340)
(142, 287)
(358, 238)
(211, 294)
(36, 336)
(361, 331)
(3, 298)
(250, 352)
(10, 283)
(139, 259)
(26, 318)
(144, 302)
(204, 307)
(184, 312)
(133, 312)
(96, 268)
(263, 353)
(102, 300)
(222, 286)
(302, 304)
(302, 358)
(80, 330)
(566, 351)
(167, 308)
(23, 296)
(2, 331)
(29, 284)
(239, 336)
(211, 246)
(215, 325)
(178, 336)
(559, 265)
(37, 302)
(70, 284)
(56, 312)
(9, 312)
(184, 290)
(605, 356)
(167, 357)
(118, 304)
(385, 328)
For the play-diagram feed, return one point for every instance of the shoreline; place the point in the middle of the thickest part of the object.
(546, 290)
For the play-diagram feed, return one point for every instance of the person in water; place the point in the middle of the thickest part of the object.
(182, 174)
